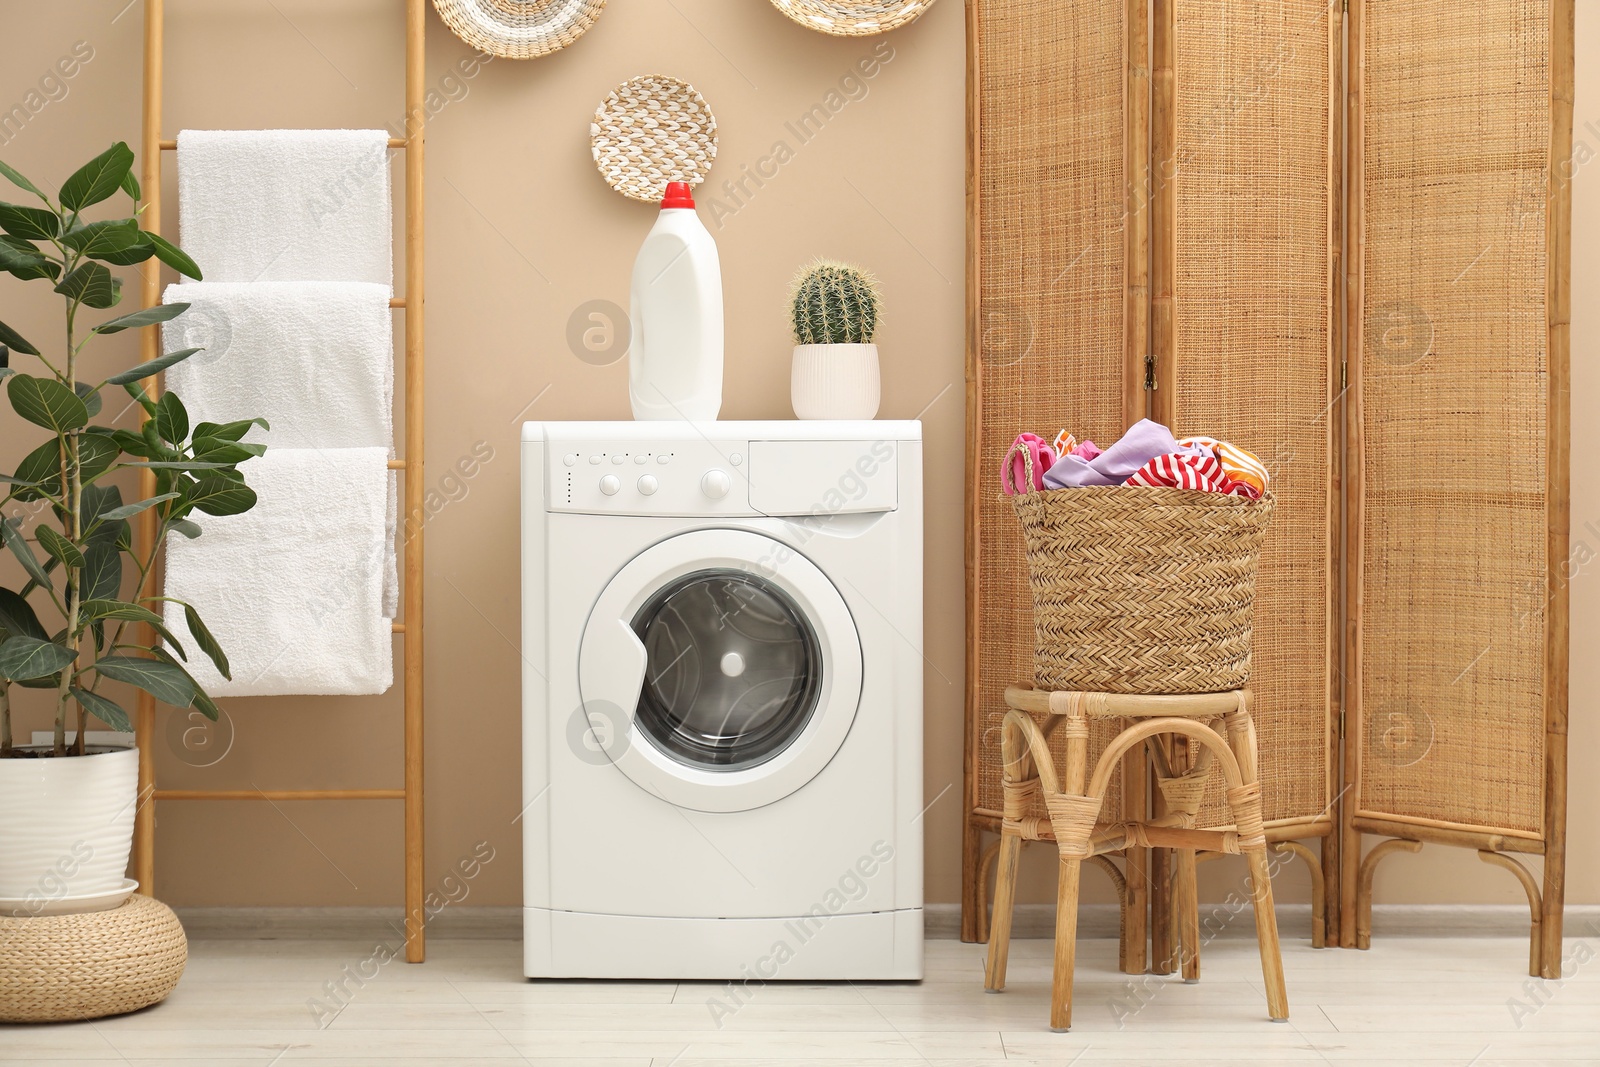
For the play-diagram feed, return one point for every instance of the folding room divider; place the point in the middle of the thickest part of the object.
(410, 466)
(1341, 238)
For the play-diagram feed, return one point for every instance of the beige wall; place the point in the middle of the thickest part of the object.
(521, 232)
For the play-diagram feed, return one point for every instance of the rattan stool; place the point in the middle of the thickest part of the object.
(1072, 807)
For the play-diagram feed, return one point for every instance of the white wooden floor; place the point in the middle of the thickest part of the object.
(1407, 1001)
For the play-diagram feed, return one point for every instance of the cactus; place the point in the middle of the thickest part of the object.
(834, 304)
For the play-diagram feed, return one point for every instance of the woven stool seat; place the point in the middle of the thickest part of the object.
(63, 967)
(1041, 804)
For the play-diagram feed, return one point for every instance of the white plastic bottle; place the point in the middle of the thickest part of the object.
(675, 360)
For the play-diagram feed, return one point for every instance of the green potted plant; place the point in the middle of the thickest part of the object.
(76, 618)
(834, 308)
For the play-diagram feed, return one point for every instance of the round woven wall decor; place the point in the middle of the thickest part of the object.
(63, 967)
(519, 29)
(852, 18)
(650, 131)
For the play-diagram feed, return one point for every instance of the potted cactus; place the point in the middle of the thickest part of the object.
(835, 310)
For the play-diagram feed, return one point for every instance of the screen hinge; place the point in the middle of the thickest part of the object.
(1150, 371)
(1344, 375)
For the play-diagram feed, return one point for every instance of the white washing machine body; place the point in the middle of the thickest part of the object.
(722, 700)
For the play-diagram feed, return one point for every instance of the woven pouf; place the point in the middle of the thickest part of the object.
(58, 968)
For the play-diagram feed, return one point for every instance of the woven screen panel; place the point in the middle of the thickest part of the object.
(1454, 376)
(1052, 194)
(1253, 315)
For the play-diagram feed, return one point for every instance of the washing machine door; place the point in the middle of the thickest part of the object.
(720, 670)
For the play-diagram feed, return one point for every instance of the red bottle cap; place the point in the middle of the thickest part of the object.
(678, 195)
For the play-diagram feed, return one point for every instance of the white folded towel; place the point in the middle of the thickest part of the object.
(315, 359)
(293, 588)
(286, 205)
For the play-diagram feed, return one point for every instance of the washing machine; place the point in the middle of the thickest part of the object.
(722, 700)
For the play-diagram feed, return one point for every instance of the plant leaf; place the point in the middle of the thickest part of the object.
(173, 256)
(101, 577)
(96, 453)
(127, 511)
(41, 468)
(126, 612)
(97, 179)
(191, 530)
(228, 431)
(17, 617)
(165, 681)
(46, 402)
(14, 340)
(172, 418)
(93, 285)
(29, 223)
(130, 185)
(177, 464)
(106, 238)
(90, 396)
(219, 496)
(208, 643)
(151, 367)
(98, 502)
(135, 319)
(24, 553)
(102, 708)
(21, 259)
(29, 657)
(205, 705)
(210, 450)
(52, 542)
(15, 177)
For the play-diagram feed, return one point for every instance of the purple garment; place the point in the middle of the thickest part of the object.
(1143, 442)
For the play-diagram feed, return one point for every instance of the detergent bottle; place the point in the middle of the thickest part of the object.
(675, 361)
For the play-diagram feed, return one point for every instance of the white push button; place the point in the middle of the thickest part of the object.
(570, 459)
(648, 486)
(641, 459)
(732, 664)
(595, 459)
(663, 459)
(610, 484)
(715, 484)
(736, 459)
(619, 459)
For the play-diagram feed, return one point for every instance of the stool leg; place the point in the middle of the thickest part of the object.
(1187, 894)
(1245, 802)
(1066, 943)
(1005, 893)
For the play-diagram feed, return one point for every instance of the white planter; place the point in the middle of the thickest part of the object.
(835, 381)
(67, 826)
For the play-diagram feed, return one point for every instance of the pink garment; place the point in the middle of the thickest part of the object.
(1182, 471)
(1144, 441)
(1086, 451)
(1013, 473)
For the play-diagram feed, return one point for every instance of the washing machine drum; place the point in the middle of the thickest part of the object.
(720, 670)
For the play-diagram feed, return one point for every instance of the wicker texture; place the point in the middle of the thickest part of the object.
(1457, 136)
(853, 18)
(1051, 301)
(65, 967)
(1139, 590)
(1253, 359)
(519, 29)
(650, 131)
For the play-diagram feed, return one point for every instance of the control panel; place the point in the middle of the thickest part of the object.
(701, 477)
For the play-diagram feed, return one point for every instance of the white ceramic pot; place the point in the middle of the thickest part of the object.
(835, 382)
(67, 825)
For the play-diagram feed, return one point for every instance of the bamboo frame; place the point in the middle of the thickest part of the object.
(414, 144)
(1410, 832)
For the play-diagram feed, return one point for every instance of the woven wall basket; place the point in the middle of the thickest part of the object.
(64, 967)
(852, 18)
(1141, 590)
(519, 29)
(650, 131)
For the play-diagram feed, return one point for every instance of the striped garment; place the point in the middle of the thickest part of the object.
(1064, 443)
(1237, 464)
(1182, 471)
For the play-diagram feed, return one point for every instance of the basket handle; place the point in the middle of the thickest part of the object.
(1008, 475)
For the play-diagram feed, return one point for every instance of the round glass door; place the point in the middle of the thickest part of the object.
(733, 671)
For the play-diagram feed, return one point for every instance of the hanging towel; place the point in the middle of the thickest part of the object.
(293, 588)
(315, 359)
(286, 205)
(1144, 441)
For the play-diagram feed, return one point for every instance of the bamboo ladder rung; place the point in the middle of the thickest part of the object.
(280, 794)
(394, 142)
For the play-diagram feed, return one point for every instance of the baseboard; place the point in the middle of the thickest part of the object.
(943, 921)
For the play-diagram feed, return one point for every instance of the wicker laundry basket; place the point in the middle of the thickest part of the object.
(1140, 590)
